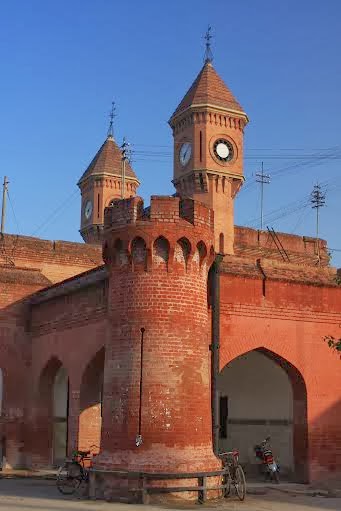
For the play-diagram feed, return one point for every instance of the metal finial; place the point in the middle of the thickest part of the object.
(208, 52)
(112, 115)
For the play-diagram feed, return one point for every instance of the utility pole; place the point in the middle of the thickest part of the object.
(262, 179)
(125, 157)
(3, 210)
(317, 201)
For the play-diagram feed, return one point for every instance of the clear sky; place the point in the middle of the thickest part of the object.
(63, 62)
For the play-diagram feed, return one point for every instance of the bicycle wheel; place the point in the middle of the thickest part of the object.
(240, 483)
(275, 476)
(227, 481)
(69, 477)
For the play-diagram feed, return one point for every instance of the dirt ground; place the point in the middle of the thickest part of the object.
(40, 495)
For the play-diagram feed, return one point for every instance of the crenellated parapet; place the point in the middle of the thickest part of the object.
(172, 234)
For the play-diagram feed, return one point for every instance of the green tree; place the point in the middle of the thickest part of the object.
(334, 344)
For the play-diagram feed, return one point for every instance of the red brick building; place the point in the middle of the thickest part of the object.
(101, 349)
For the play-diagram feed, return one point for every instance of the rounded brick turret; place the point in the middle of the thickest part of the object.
(157, 370)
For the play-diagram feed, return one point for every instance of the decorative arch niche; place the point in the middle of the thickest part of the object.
(138, 253)
(161, 251)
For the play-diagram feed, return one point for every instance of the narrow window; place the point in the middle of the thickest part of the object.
(221, 243)
(98, 206)
(200, 145)
(202, 185)
(223, 414)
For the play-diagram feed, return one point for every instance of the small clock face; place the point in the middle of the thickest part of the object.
(88, 209)
(185, 153)
(223, 149)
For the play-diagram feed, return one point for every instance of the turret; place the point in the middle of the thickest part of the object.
(157, 369)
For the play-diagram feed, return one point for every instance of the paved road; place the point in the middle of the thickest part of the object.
(39, 495)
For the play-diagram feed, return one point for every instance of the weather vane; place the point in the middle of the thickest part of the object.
(112, 115)
(208, 52)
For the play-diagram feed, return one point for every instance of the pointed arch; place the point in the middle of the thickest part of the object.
(161, 249)
(120, 256)
(182, 251)
(53, 398)
(138, 249)
(202, 252)
(274, 387)
(91, 394)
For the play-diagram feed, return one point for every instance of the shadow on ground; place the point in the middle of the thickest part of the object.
(41, 495)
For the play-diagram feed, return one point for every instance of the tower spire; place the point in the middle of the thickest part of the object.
(208, 57)
(112, 115)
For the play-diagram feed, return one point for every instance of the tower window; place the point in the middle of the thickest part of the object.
(221, 243)
(200, 145)
(98, 206)
(202, 184)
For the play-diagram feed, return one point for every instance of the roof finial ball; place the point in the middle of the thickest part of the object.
(112, 115)
(208, 52)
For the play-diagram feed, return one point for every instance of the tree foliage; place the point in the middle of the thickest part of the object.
(334, 344)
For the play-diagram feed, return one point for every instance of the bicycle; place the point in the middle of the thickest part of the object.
(73, 472)
(234, 474)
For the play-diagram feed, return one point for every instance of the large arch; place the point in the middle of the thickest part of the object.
(91, 392)
(263, 394)
(53, 406)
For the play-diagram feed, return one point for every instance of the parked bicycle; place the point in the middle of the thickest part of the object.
(74, 471)
(234, 474)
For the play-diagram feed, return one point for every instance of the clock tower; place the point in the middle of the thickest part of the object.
(100, 184)
(208, 128)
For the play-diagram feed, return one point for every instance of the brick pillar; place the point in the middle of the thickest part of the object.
(73, 415)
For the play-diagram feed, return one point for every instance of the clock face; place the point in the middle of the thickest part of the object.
(185, 153)
(88, 209)
(223, 149)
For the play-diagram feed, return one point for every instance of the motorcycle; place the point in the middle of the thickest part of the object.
(263, 452)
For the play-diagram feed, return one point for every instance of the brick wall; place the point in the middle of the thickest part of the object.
(57, 260)
(302, 250)
(289, 320)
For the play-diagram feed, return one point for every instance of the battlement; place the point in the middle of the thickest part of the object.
(171, 232)
(252, 243)
(162, 209)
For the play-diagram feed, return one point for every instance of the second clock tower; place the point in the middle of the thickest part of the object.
(208, 127)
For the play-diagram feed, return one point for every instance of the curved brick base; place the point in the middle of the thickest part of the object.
(160, 459)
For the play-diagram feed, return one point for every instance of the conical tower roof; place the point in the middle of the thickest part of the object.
(108, 160)
(209, 89)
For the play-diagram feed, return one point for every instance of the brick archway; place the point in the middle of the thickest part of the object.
(91, 391)
(50, 423)
(300, 420)
(298, 398)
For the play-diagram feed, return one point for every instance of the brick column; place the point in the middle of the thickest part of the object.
(73, 415)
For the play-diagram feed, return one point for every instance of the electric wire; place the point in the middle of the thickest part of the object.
(12, 208)
(52, 217)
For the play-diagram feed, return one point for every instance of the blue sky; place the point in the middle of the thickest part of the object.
(62, 63)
